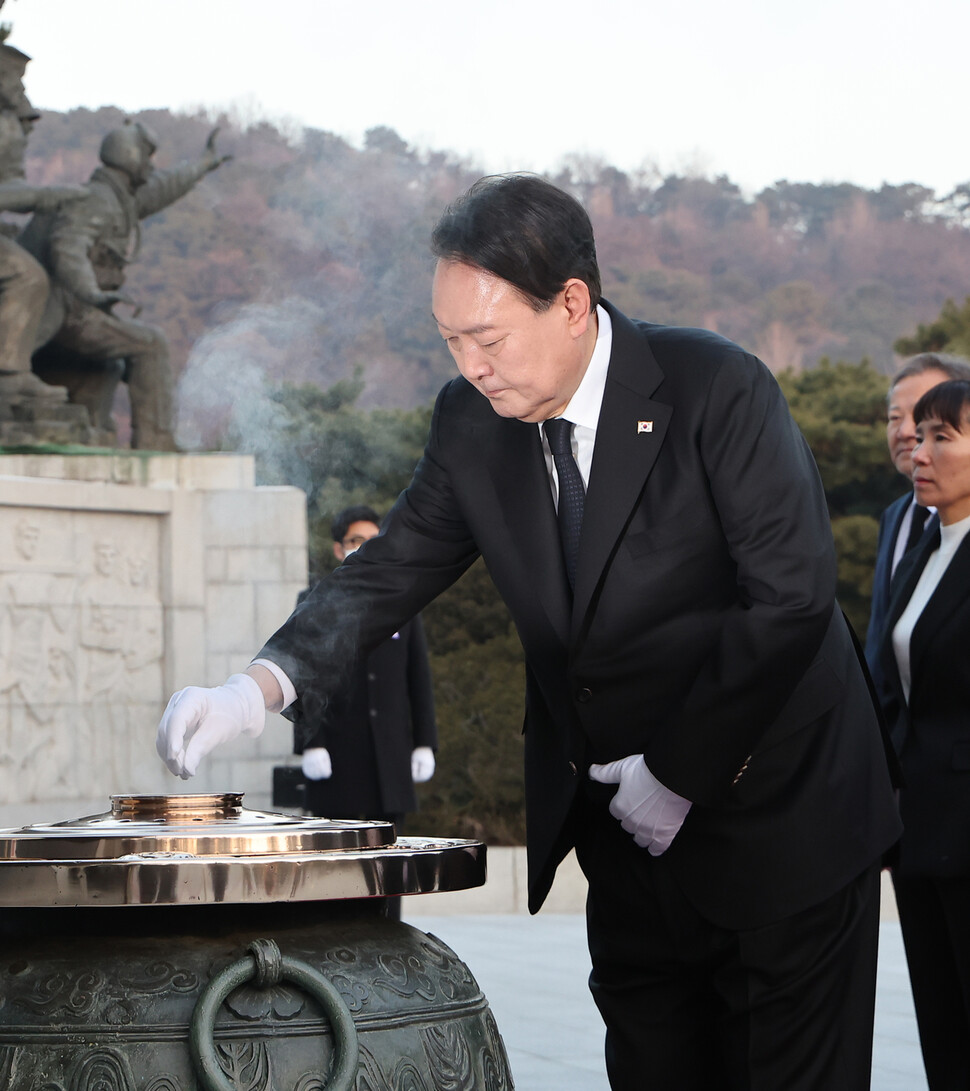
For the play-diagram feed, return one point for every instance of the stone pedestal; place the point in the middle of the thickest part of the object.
(35, 421)
(124, 577)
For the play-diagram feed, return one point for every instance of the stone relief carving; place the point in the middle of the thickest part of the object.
(81, 645)
(35, 624)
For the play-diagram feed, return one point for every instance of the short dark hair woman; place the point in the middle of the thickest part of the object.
(926, 659)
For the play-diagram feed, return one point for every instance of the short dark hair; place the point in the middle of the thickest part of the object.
(359, 513)
(954, 367)
(525, 230)
(948, 402)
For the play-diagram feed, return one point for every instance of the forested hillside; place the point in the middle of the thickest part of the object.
(307, 257)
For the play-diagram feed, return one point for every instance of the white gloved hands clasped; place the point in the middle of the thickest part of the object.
(316, 763)
(645, 808)
(198, 720)
(422, 764)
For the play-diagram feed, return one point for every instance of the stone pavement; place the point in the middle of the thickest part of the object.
(533, 971)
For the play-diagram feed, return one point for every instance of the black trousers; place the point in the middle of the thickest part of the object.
(934, 915)
(690, 1006)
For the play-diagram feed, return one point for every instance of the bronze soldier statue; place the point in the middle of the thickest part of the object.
(24, 285)
(85, 248)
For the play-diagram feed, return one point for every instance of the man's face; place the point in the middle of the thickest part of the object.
(145, 167)
(527, 364)
(357, 533)
(900, 429)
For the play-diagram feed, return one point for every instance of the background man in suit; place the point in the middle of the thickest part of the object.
(376, 739)
(902, 524)
(371, 745)
(697, 722)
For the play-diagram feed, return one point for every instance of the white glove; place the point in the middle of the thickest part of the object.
(645, 808)
(316, 763)
(422, 764)
(198, 720)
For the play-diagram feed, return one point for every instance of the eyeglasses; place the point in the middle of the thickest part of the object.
(355, 542)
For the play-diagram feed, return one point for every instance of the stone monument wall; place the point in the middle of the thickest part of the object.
(124, 577)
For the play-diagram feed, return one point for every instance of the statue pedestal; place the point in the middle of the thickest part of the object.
(123, 577)
(34, 422)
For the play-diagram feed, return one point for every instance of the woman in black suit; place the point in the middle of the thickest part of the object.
(926, 655)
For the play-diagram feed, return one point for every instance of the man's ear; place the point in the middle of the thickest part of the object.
(338, 551)
(576, 300)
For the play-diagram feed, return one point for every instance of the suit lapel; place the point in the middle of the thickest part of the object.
(629, 435)
(893, 537)
(948, 597)
(904, 582)
(522, 491)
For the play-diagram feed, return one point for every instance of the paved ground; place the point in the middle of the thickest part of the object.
(533, 971)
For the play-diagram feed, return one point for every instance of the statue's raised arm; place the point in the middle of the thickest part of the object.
(165, 187)
(86, 247)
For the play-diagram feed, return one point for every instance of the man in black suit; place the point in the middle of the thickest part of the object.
(697, 723)
(902, 524)
(370, 744)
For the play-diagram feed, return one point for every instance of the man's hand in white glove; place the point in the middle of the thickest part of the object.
(422, 764)
(198, 720)
(316, 763)
(645, 808)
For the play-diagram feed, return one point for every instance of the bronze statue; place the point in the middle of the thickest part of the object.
(24, 285)
(85, 248)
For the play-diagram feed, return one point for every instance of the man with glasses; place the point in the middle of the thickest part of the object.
(367, 748)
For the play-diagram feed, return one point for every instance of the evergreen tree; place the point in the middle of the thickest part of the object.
(841, 410)
(950, 333)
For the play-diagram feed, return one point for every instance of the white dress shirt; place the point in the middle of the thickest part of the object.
(583, 408)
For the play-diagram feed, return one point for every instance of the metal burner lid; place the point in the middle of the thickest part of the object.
(192, 849)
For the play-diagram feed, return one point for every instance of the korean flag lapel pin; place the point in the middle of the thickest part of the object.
(644, 426)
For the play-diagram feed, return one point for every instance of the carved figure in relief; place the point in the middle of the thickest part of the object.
(144, 641)
(35, 619)
(103, 626)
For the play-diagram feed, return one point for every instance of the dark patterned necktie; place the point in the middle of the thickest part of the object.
(917, 526)
(572, 492)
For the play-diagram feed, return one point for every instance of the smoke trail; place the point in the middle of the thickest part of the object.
(224, 394)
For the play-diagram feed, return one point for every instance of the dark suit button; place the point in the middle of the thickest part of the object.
(584, 695)
(373, 711)
(371, 677)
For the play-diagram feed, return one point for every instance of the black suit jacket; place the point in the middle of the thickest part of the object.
(370, 729)
(932, 732)
(886, 546)
(703, 632)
